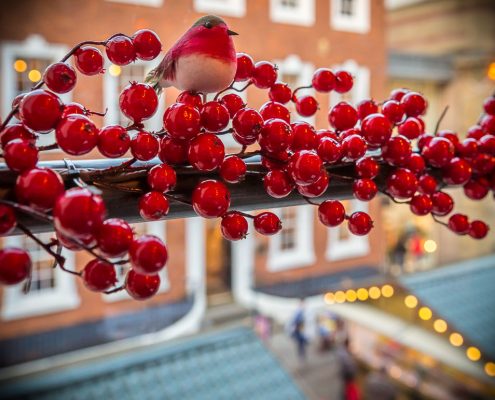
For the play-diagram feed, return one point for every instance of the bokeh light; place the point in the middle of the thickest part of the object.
(425, 313)
(339, 296)
(430, 246)
(440, 325)
(375, 292)
(362, 294)
(350, 295)
(387, 291)
(456, 339)
(473, 353)
(20, 65)
(114, 70)
(490, 368)
(411, 301)
(34, 75)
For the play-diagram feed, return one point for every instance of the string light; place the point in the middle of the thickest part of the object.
(490, 368)
(350, 295)
(430, 246)
(387, 291)
(329, 298)
(374, 292)
(440, 325)
(34, 75)
(491, 71)
(339, 296)
(114, 70)
(473, 353)
(425, 313)
(411, 301)
(362, 294)
(20, 65)
(456, 339)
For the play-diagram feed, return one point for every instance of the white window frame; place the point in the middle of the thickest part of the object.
(352, 247)
(302, 255)
(230, 8)
(303, 15)
(149, 3)
(293, 65)
(64, 296)
(357, 23)
(361, 88)
(159, 229)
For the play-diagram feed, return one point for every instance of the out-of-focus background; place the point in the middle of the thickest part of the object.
(407, 312)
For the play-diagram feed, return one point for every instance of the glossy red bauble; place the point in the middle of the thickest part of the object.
(438, 152)
(8, 220)
(233, 169)
(233, 102)
(60, 77)
(276, 135)
(402, 183)
(234, 226)
(317, 188)
(113, 141)
(76, 134)
(247, 125)
(459, 223)
(144, 146)
(394, 111)
(376, 130)
(330, 150)
(140, 286)
(40, 110)
(15, 265)
(148, 254)
(442, 203)
(206, 152)
(99, 275)
(162, 178)
(324, 80)
(343, 81)
(20, 155)
(305, 137)
(410, 128)
(343, 116)
(153, 206)
(182, 121)
(214, 116)
(360, 223)
(476, 189)
(120, 50)
(173, 151)
(210, 199)
(457, 172)
(478, 229)
(331, 213)
(305, 167)
(89, 60)
(421, 204)
(397, 151)
(306, 106)
(39, 188)
(16, 131)
(191, 99)
(272, 109)
(147, 44)
(280, 92)
(367, 167)
(278, 183)
(415, 163)
(138, 101)
(354, 147)
(114, 237)
(366, 107)
(364, 189)
(267, 223)
(264, 75)
(414, 104)
(245, 67)
(427, 184)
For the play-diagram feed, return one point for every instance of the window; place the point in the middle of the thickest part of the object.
(296, 73)
(342, 244)
(149, 3)
(350, 15)
(296, 12)
(22, 65)
(292, 247)
(51, 290)
(157, 228)
(361, 87)
(231, 8)
(115, 81)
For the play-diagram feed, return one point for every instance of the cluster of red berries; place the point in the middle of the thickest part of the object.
(294, 154)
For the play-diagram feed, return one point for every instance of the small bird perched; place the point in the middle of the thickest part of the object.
(203, 60)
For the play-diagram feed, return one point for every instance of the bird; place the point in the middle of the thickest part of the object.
(203, 60)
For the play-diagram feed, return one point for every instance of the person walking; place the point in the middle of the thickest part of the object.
(297, 331)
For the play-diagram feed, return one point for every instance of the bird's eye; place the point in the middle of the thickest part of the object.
(208, 25)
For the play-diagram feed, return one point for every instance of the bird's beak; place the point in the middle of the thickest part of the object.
(231, 33)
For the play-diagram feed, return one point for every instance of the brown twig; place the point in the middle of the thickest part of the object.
(442, 115)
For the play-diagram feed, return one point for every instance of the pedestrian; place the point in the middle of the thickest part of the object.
(297, 331)
(348, 371)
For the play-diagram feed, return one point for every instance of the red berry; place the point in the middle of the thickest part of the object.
(475, 132)
(489, 105)
(317, 188)
(60, 77)
(99, 275)
(245, 67)
(153, 206)
(449, 135)
(427, 184)
(233, 102)
(343, 116)
(138, 101)
(306, 106)
(276, 160)
(74, 108)
(191, 99)
(162, 178)
(182, 121)
(206, 152)
(8, 220)
(264, 75)
(89, 60)
(394, 111)
(144, 146)
(15, 265)
(410, 128)
(305, 167)
(76, 134)
(367, 167)
(421, 204)
(278, 184)
(483, 163)
(16, 131)
(323, 80)
(234, 226)
(398, 94)
(360, 223)
(478, 229)
(366, 107)
(267, 223)
(402, 183)
(376, 130)
(457, 172)
(415, 163)
(147, 44)
(442, 203)
(280, 92)
(467, 148)
(211, 199)
(173, 151)
(459, 224)
(114, 237)
(330, 150)
(120, 50)
(331, 213)
(141, 287)
(214, 116)
(476, 189)
(20, 155)
(272, 109)
(487, 144)
(397, 151)
(343, 81)
(487, 123)
(364, 189)
(233, 169)
(438, 152)
(247, 124)
(148, 254)
(16, 102)
(39, 188)
(276, 135)
(78, 213)
(354, 147)
(304, 138)
(424, 139)
(414, 104)
(113, 141)
(40, 110)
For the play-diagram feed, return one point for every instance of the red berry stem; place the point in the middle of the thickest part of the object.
(179, 199)
(442, 115)
(438, 221)
(115, 290)
(52, 146)
(120, 188)
(28, 210)
(225, 132)
(393, 198)
(244, 214)
(308, 200)
(231, 87)
(117, 169)
(294, 97)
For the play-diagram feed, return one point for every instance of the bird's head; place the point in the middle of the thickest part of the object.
(212, 24)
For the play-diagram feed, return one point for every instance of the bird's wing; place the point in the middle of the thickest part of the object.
(164, 72)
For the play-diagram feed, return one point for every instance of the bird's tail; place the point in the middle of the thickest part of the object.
(153, 79)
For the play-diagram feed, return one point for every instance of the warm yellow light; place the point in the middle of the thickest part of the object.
(491, 71)
(362, 294)
(374, 292)
(425, 313)
(473, 353)
(20, 65)
(339, 296)
(411, 301)
(387, 291)
(490, 368)
(440, 325)
(350, 295)
(430, 246)
(456, 339)
(114, 70)
(329, 298)
(34, 75)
